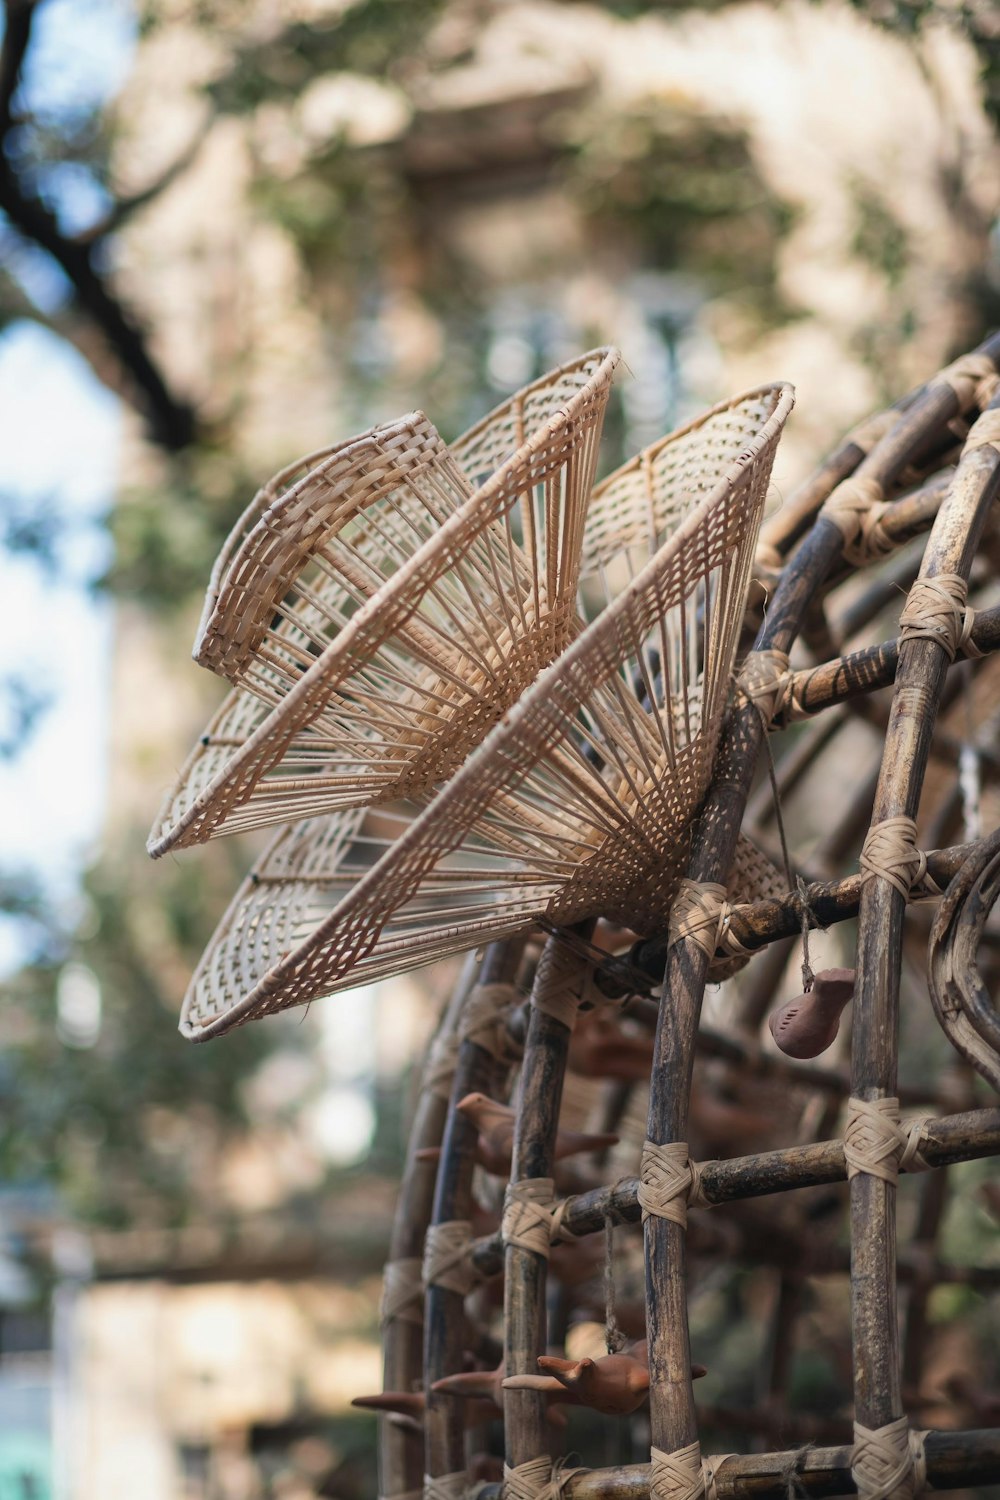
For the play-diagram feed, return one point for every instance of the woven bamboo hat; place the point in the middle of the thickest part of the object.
(382, 613)
(579, 803)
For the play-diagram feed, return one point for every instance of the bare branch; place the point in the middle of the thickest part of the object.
(20, 14)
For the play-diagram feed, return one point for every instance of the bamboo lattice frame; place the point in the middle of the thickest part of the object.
(539, 822)
(381, 613)
(435, 1451)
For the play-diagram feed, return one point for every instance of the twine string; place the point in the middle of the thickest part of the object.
(614, 1339)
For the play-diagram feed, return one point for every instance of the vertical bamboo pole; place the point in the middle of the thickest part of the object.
(539, 1100)
(920, 679)
(401, 1450)
(672, 1411)
(444, 1310)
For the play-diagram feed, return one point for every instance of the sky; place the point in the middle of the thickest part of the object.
(59, 441)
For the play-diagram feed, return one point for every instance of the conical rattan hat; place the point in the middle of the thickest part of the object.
(382, 613)
(580, 802)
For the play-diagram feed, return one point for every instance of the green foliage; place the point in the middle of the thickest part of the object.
(879, 237)
(974, 19)
(687, 187)
(373, 37)
(166, 537)
(127, 1129)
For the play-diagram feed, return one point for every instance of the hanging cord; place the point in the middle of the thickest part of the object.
(613, 1337)
(795, 883)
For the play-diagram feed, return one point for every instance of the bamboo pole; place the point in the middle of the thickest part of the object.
(672, 1415)
(955, 1460)
(444, 1309)
(919, 682)
(401, 1448)
(538, 1103)
(968, 1136)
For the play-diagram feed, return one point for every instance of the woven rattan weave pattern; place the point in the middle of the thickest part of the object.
(381, 615)
(578, 803)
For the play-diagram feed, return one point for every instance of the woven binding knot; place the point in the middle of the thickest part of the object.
(484, 1020)
(985, 431)
(970, 377)
(936, 610)
(560, 980)
(439, 1069)
(531, 1219)
(766, 680)
(873, 1138)
(698, 912)
(666, 1178)
(402, 1291)
(883, 1465)
(890, 852)
(678, 1475)
(445, 1486)
(446, 1257)
(913, 1159)
(538, 1479)
(857, 507)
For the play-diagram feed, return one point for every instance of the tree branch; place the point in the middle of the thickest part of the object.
(20, 14)
(171, 421)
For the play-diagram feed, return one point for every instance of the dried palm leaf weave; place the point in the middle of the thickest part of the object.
(580, 801)
(381, 614)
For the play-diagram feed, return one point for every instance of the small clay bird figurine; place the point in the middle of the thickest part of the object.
(482, 1383)
(410, 1407)
(478, 1386)
(495, 1123)
(598, 1048)
(615, 1384)
(806, 1026)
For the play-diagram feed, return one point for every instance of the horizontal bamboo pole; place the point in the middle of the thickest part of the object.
(962, 1137)
(954, 1460)
(758, 923)
(873, 667)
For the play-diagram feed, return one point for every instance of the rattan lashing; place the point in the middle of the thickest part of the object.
(580, 801)
(381, 614)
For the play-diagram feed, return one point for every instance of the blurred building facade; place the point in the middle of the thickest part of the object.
(429, 213)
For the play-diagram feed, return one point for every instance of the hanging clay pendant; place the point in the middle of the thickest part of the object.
(806, 1026)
